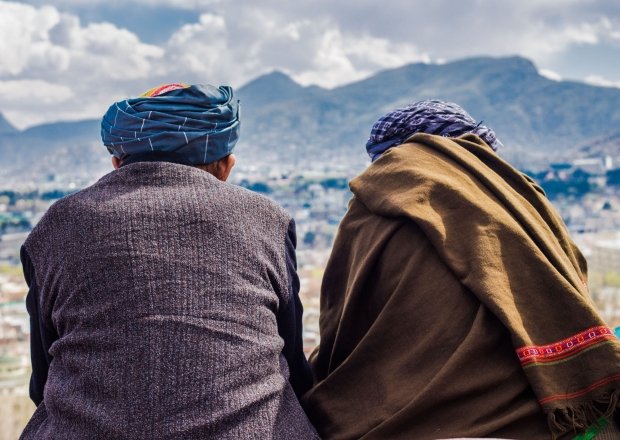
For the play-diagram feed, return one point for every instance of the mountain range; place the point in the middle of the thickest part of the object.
(530, 113)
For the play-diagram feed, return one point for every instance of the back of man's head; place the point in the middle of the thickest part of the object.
(195, 125)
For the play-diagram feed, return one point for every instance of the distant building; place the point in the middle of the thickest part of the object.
(15, 411)
(594, 166)
(14, 373)
(9, 247)
(605, 255)
(604, 275)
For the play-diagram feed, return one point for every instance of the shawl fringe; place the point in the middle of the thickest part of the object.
(576, 419)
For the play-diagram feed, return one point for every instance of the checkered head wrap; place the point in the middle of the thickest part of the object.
(429, 116)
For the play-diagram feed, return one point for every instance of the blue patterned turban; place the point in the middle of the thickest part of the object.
(431, 117)
(198, 123)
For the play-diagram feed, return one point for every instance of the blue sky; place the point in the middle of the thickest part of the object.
(70, 60)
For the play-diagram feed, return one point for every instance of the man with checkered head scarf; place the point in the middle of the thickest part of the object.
(164, 301)
(454, 303)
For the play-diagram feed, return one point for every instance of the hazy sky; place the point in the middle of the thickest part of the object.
(70, 60)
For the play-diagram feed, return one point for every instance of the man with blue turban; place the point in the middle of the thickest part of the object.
(164, 301)
(454, 303)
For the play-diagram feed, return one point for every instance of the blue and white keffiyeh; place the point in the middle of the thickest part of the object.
(198, 122)
(429, 116)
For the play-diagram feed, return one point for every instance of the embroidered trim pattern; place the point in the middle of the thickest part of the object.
(565, 348)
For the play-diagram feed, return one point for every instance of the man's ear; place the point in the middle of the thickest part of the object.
(224, 166)
(116, 162)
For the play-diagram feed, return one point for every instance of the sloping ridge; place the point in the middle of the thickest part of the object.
(525, 109)
(5, 126)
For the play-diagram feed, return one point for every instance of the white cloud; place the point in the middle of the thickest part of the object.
(83, 67)
(51, 64)
(597, 80)
(550, 74)
(184, 4)
(326, 42)
(26, 102)
(23, 35)
(256, 41)
(316, 42)
(342, 59)
(14, 91)
(117, 53)
(199, 48)
(42, 42)
(181, 4)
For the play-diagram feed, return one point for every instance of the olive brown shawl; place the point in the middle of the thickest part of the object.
(455, 304)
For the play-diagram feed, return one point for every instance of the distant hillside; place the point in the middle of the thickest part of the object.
(56, 145)
(61, 131)
(608, 145)
(526, 109)
(530, 113)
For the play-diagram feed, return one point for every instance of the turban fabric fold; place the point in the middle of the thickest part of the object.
(430, 117)
(198, 122)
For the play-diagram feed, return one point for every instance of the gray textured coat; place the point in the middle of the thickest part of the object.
(163, 286)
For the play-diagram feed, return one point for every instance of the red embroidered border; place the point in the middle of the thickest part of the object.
(566, 347)
(604, 381)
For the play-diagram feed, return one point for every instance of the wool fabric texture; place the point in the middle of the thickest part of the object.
(430, 116)
(200, 123)
(163, 285)
(455, 304)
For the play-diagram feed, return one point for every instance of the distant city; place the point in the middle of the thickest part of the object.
(290, 152)
(586, 192)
